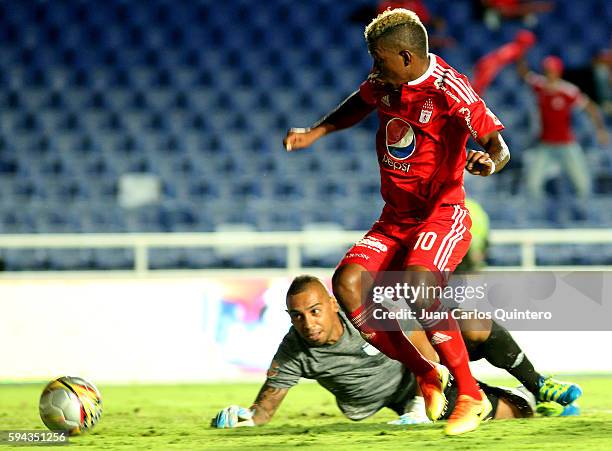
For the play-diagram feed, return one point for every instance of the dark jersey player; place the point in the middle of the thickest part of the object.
(427, 111)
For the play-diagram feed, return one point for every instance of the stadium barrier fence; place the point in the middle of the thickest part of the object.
(293, 242)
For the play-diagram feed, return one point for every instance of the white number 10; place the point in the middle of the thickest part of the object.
(426, 240)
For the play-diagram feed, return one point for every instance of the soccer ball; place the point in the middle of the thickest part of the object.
(70, 404)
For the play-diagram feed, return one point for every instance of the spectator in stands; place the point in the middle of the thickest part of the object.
(489, 65)
(602, 75)
(494, 11)
(556, 98)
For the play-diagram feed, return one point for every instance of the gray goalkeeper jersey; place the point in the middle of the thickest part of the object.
(362, 379)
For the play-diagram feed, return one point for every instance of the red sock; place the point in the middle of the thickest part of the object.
(445, 337)
(392, 343)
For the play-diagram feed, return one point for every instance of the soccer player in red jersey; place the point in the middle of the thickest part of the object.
(427, 111)
(556, 99)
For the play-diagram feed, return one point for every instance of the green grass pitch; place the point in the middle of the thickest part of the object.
(178, 416)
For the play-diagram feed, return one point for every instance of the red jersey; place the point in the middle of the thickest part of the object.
(424, 127)
(555, 102)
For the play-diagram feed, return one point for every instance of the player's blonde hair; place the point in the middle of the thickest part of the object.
(401, 27)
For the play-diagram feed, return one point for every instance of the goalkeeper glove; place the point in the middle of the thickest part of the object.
(233, 417)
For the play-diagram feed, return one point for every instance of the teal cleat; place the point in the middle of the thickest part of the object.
(563, 393)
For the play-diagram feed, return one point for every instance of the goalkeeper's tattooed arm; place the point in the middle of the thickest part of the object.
(267, 402)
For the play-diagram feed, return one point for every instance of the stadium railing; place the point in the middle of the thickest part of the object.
(293, 242)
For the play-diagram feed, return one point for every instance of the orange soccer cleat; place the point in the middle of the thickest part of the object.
(432, 386)
(468, 414)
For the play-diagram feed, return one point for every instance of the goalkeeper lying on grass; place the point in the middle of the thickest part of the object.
(323, 345)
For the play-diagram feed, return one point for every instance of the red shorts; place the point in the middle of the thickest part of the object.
(439, 243)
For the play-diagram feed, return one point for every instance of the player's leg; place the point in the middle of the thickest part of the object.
(408, 402)
(444, 334)
(436, 249)
(418, 338)
(358, 413)
(484, 338)
(456, 403)
(413, 410)
(352, 279)
(502, 408)
(487, 339)
(505, 402)
(442, 330)
(372, 254)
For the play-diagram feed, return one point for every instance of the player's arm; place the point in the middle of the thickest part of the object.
(493, 159)
(267, 402)
(263, 409)
(352, 110)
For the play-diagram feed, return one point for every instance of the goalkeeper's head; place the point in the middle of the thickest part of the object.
(313, 311)
(398, 43)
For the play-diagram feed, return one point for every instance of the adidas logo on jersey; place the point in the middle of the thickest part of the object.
(439, 337)
(385, 100)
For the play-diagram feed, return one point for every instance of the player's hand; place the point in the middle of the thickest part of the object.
(479, 163)
(233, 417)
(299, 138)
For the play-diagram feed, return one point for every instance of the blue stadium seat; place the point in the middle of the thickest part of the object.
(14, 219)
(25, 260)
(504, 256)
(115, 259)
(161, 258)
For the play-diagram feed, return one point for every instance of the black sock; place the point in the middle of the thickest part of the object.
(501, 351)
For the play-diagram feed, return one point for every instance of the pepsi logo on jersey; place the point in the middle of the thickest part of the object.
(400, 138)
